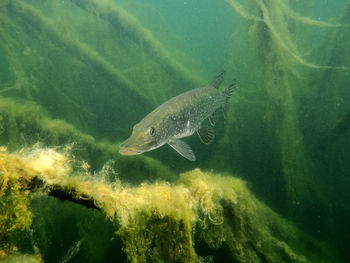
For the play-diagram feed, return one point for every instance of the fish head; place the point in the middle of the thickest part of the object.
(142, 139)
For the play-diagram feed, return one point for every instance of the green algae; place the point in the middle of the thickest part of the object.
(69, 71)
(75, 69)
(285, 82)
(23, 124)
(159, 222)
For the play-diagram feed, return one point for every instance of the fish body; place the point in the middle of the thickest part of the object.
(177, 118)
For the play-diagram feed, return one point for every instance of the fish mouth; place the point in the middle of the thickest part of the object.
(129, 151)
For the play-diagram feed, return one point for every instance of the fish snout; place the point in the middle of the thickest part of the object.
(129, 151)
(126, 148)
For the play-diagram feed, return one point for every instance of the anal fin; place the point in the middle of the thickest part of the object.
(206, 134)
(183, 148)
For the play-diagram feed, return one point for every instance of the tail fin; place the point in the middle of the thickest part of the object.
(217, 80)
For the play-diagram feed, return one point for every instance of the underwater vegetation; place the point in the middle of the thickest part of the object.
(75, 75)
(38, 66)
(23, 124)
(159, 222)
(270, 14)
(303, 109)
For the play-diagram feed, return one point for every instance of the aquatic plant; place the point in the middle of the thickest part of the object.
(76, 69)
(274, 29)
(14, 211)
(157, 222)
(70, 59)
(275, 15)
(23, 124)
(300, 117)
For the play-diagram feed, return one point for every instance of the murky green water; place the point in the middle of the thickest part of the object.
(80, 74)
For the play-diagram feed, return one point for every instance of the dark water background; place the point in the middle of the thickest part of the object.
(286, 131)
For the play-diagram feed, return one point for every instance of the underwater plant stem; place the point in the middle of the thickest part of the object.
(284, 44)
(114, 14)
(20, 80)
(308, 20)
(240, 10)
(75, 47)
(290, 12)
(272, 40)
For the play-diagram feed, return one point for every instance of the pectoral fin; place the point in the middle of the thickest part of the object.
(206, 134)
(183, 148)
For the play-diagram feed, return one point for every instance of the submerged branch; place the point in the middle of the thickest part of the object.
(307, 20)
(285, 44)
(213, 204)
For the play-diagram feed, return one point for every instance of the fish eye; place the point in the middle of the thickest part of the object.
(152, 131)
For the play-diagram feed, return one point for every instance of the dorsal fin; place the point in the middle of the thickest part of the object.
(217, 80)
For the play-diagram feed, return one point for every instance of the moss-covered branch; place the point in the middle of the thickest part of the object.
(156, 222)
(23, 124)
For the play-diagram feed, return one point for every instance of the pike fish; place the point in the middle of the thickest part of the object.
(177, 118)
